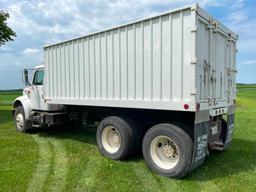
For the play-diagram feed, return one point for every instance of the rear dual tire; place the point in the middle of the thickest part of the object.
(167, 150)
(118, 138)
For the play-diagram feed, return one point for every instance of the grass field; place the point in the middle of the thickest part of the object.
(68, 160)
(7, 97)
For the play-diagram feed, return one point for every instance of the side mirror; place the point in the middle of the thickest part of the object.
(25, 77)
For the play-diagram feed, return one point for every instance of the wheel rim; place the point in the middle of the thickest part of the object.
(164, 152)
(19, 121)
(111, 139)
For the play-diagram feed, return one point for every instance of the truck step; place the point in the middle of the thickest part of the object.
(35, 121)
(217, 145)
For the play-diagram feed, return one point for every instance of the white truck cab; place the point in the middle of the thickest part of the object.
(32, 100)
(35, 92)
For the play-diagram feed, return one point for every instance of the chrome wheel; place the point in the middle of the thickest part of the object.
(164, 152)
(111, 139)
(20, 121)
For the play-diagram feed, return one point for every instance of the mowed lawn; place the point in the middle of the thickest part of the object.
(7, 97)
(68, 160)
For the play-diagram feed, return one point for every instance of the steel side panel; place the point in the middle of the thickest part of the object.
(146, 64)
(140, 104)
(158, 61)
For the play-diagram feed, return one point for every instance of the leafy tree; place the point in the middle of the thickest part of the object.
(6, 33)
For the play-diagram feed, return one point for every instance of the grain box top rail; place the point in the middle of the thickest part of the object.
(195, 7)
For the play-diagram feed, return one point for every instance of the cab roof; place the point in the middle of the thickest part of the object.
(39, 66)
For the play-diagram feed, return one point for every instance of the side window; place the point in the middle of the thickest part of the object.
(38, 77)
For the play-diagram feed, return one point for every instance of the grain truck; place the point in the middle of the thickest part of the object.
(164, 86)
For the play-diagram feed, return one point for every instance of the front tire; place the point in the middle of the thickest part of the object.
(22, 125)
(167, 150)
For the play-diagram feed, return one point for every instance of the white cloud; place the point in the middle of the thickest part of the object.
(41, 22)
(240, 20)
(250, 62)
(5, 48)
(238, 4)
(17, 63)
(63, 19)
(53, 21)
(238, 16)
(30, 51)
(212, 3)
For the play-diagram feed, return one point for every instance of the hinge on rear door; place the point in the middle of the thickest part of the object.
(215, 30)
(194, 61)
(209, 101)
(229, 71)
(207, 65)
(209, 26)
(194, 7)
(193, 92)
(194, 29)
(233, 71)
(213, 79)
(227, 93)
(228, 41)
(215, 101)
(214, 23)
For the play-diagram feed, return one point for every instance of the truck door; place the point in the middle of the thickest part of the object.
(36, 91)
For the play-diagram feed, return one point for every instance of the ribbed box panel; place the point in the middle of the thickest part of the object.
(153, 63)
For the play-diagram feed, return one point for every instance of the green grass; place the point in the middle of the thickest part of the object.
(68, 160)
(7, 97)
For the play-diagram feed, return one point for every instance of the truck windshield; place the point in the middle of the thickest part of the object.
(38, 77)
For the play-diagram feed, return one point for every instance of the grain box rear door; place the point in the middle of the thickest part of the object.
(218, 64)
(216, 54)
(223, 68)
(203, 52)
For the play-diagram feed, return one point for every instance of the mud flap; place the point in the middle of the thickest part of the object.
(230, 127)
(201, 129)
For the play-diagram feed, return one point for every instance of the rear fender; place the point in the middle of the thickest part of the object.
(25, 102)
(230, 126)
(201, 129)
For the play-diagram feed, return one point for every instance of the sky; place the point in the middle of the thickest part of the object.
(41, 22)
